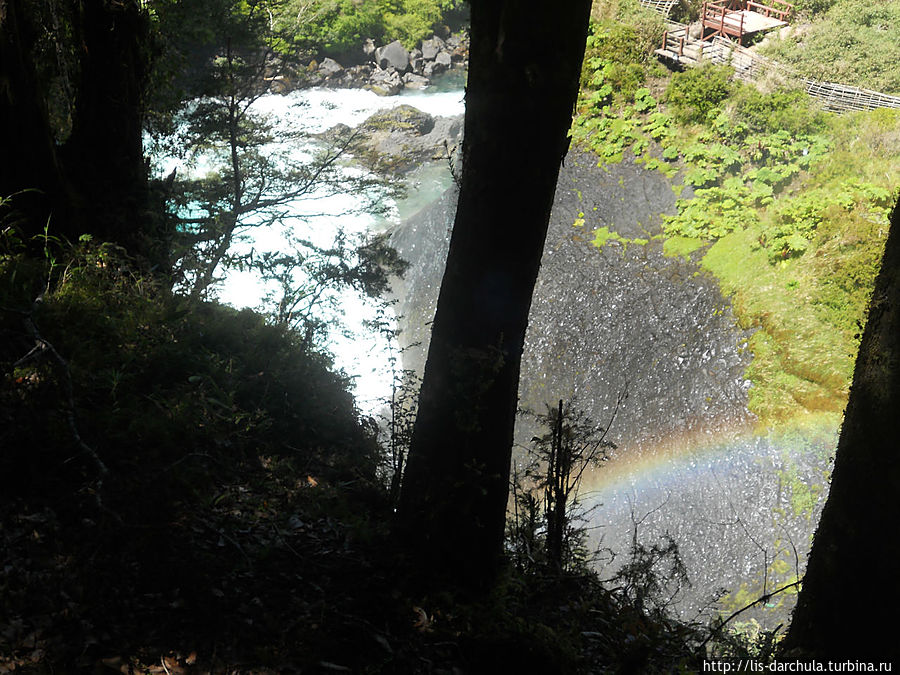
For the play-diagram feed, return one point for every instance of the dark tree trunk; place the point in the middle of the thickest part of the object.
(29, 159)
(96, 182)
(104, 154)
(525, 61)
(851, 590)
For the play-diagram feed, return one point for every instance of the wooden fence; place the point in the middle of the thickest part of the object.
(835, 97)
(663, 7)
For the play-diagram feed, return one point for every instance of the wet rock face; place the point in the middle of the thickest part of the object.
(626, 316)
(604, 320)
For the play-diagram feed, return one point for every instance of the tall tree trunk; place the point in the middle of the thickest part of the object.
(525, 61)
(29, 159)
(104, 154)
(851, 590)
(97, 181)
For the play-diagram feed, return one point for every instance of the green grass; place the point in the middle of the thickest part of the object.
(854, 43)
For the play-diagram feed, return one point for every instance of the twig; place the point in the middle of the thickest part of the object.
(42, 345)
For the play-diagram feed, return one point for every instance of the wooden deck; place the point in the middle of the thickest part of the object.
(739, 19)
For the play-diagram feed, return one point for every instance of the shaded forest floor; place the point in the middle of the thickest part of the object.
(283, 574)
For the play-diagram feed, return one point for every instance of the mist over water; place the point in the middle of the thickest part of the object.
(319, 216)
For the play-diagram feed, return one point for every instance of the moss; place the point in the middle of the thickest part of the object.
(677, 246)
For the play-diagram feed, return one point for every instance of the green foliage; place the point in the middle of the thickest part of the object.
(338, 27)
(617, 55)
(713, 212)
(780, 110)
(851, 42)
(794, 200)
(814, 7)
(696, 92)
(639, 30)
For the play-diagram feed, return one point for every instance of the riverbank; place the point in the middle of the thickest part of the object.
(387, 69)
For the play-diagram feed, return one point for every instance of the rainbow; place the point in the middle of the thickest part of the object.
(663, 458)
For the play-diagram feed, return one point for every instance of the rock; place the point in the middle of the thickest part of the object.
(413, 81)
(337, 133)
(397, 140)
(279, 84)
(330, 68)
(369, 49)
(431, 48)
(394, 56)
(385, 82)
(431, 69)
(403, 118)
(358, 76)
(444, 60)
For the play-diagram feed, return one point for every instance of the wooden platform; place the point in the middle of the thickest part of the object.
(739, 19)
(752, 22)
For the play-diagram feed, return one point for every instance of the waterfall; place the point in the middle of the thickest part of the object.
(689, 461)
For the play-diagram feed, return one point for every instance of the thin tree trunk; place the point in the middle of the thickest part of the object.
(851, 591)
(525, 61)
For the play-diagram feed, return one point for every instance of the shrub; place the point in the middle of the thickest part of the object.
(696, 92)
(790, 111)
(153, 381)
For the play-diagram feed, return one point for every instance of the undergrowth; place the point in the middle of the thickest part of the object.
(188, 487)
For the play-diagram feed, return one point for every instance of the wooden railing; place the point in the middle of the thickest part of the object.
(674, 38)
(781, 10)
(838, 98)
(715, 14)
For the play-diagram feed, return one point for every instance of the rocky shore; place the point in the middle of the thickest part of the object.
(385, 70)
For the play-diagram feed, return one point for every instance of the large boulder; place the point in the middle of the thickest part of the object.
(393, 55)
(443, 60)
(403, 118)
(413, 81)
(330, 68)
(399, 139)
(431, 48)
